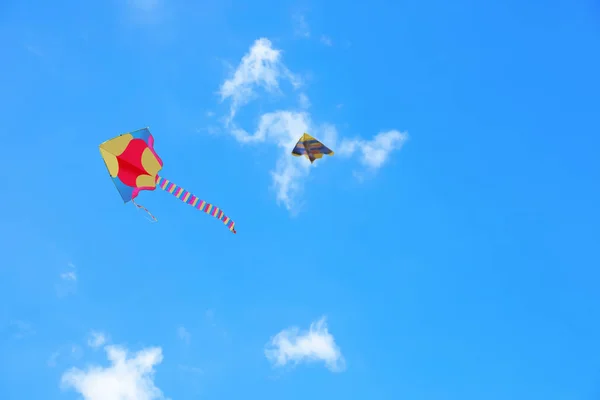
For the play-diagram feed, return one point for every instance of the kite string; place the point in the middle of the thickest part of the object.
(145, 209)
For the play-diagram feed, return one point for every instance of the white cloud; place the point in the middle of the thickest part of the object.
(96, 339)
(375, 152)
(301, 28)
(316, 344)
(69, 276)
(184, 334)
(127, 378)
(326, 40)
(68, 281)
(284, 128)
(263, 67)
(304, 101)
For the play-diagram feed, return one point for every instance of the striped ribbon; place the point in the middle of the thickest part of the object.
(194, 201)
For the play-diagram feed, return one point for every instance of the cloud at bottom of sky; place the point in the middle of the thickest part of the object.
(263, 68)
(127, 378)
(292, 346)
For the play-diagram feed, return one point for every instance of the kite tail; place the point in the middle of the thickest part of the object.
(194, 201)
(145, 209)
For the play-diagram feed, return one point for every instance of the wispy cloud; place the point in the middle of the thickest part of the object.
(96, 339)
(301, 28)
(283, 129)
(260, 68)
(71, 274)
(68, 281)
(53, 359)
(317, 344)
(304, 101)
(374, 153)
(68, 276)
(184, 335)
(263, 67)
(326, 40)
(72, 351)
(128, 377)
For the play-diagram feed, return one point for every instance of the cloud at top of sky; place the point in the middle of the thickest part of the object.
(129, 377)
(316, 344)
(260, 67)
(263, 68)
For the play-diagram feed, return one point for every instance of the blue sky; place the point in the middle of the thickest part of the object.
(448, 250)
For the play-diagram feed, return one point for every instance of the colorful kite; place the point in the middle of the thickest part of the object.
(134, 165)
(311, 148)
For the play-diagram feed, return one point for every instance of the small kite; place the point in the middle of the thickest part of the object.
(311, 148)
(134, 165)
